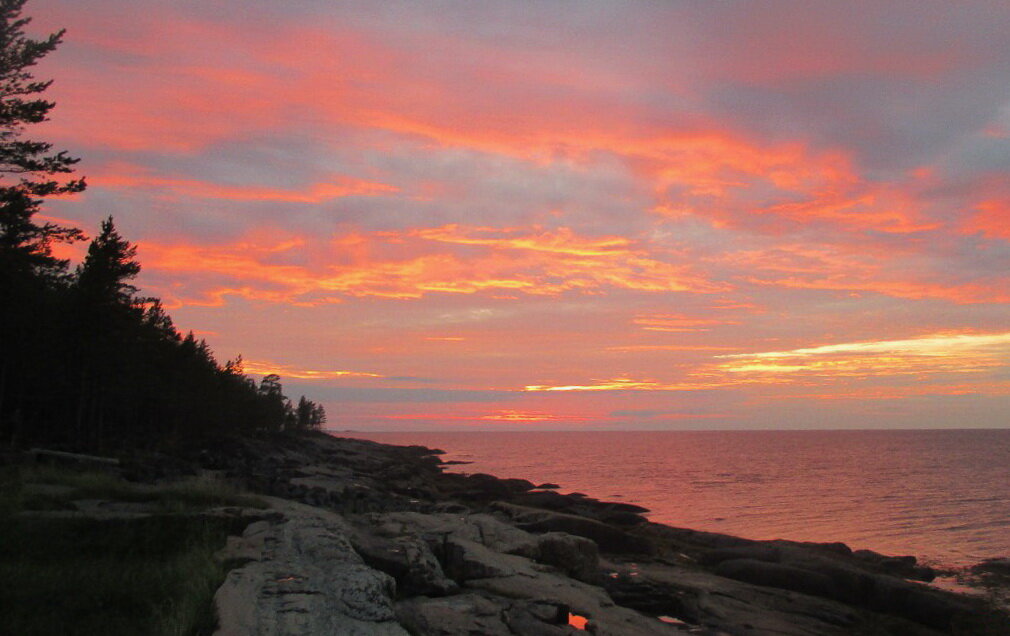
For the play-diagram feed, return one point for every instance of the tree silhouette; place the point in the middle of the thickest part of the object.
(33, 161)
(29, 274)
(105, 323)
(103, 275)
(27, 168)
(85, 362)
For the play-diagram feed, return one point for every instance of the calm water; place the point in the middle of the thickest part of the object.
(941, 495)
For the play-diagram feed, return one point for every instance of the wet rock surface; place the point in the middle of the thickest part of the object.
(382, 541)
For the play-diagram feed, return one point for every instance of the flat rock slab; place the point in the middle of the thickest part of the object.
(303, 578)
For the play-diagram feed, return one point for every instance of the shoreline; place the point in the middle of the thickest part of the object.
(688, 479)
(466, 540)
(361, 537)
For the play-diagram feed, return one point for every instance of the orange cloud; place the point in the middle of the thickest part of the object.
(121, 175)
(508, 415)
(561, 241)
(678, 323)
(539, 264)
(670, 348)
(614, 384)
(263, 367)
(991, 218)
(897, 392)
(356, 79)
(854, 268)
(936, 354)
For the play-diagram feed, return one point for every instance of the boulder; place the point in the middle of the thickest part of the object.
(407, 559)
(776, 575)
(728, 606)
(903, 566)
(589, 601)
(538, 618)
(303, 577)
(464, 560)
(756, 552)
(999, 566)
(608, 538)
(485, 487)
(919, 603)
(577, 557)
(460, 615)
(547, 499)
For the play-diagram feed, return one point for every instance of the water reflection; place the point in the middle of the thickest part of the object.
(939, 494)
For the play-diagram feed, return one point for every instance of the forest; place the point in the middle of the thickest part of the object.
(86, 361)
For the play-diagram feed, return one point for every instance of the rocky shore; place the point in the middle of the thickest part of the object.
(367, 538)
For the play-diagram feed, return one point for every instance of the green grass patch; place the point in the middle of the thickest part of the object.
(68, 485)
(153, 575)
(81, 576)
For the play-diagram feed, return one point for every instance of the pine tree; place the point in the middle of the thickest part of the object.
(34, 162)
(110, 263)
(28, 168)
(29, 273)
(106, 320)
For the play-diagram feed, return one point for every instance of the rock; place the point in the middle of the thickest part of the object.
(475, 554)
(486, 487)
(577, 557)
(407, 559)
(547, 499)
(999, 566)
(618, 506)
(499, 536)
(621, 518)
(903, 566)
(924, 605)
(464, 560)
(776, 575)
(703, 599)
(608, 538)
(606, 618)
(305, 579)
(451, 507)
(473, 613)
(548, 486)
(769, 554)
(538, 619)
(518, 485)
(461, 615)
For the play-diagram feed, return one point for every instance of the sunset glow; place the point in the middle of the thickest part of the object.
(562, 215)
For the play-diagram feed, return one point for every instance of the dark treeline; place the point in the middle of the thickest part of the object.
(85, 361)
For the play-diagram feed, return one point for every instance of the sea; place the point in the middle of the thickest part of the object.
(941, 495)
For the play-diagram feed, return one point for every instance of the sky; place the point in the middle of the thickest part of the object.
(564, 214)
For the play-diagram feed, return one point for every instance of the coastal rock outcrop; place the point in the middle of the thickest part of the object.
(301, 576)
(390, 544)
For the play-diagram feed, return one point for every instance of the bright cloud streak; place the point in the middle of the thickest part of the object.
(937, 354)
(675, 323)
(259, 367)
(615, 384)
(935, 345)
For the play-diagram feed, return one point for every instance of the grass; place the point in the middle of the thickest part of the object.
(188, 494)
(150, 575)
